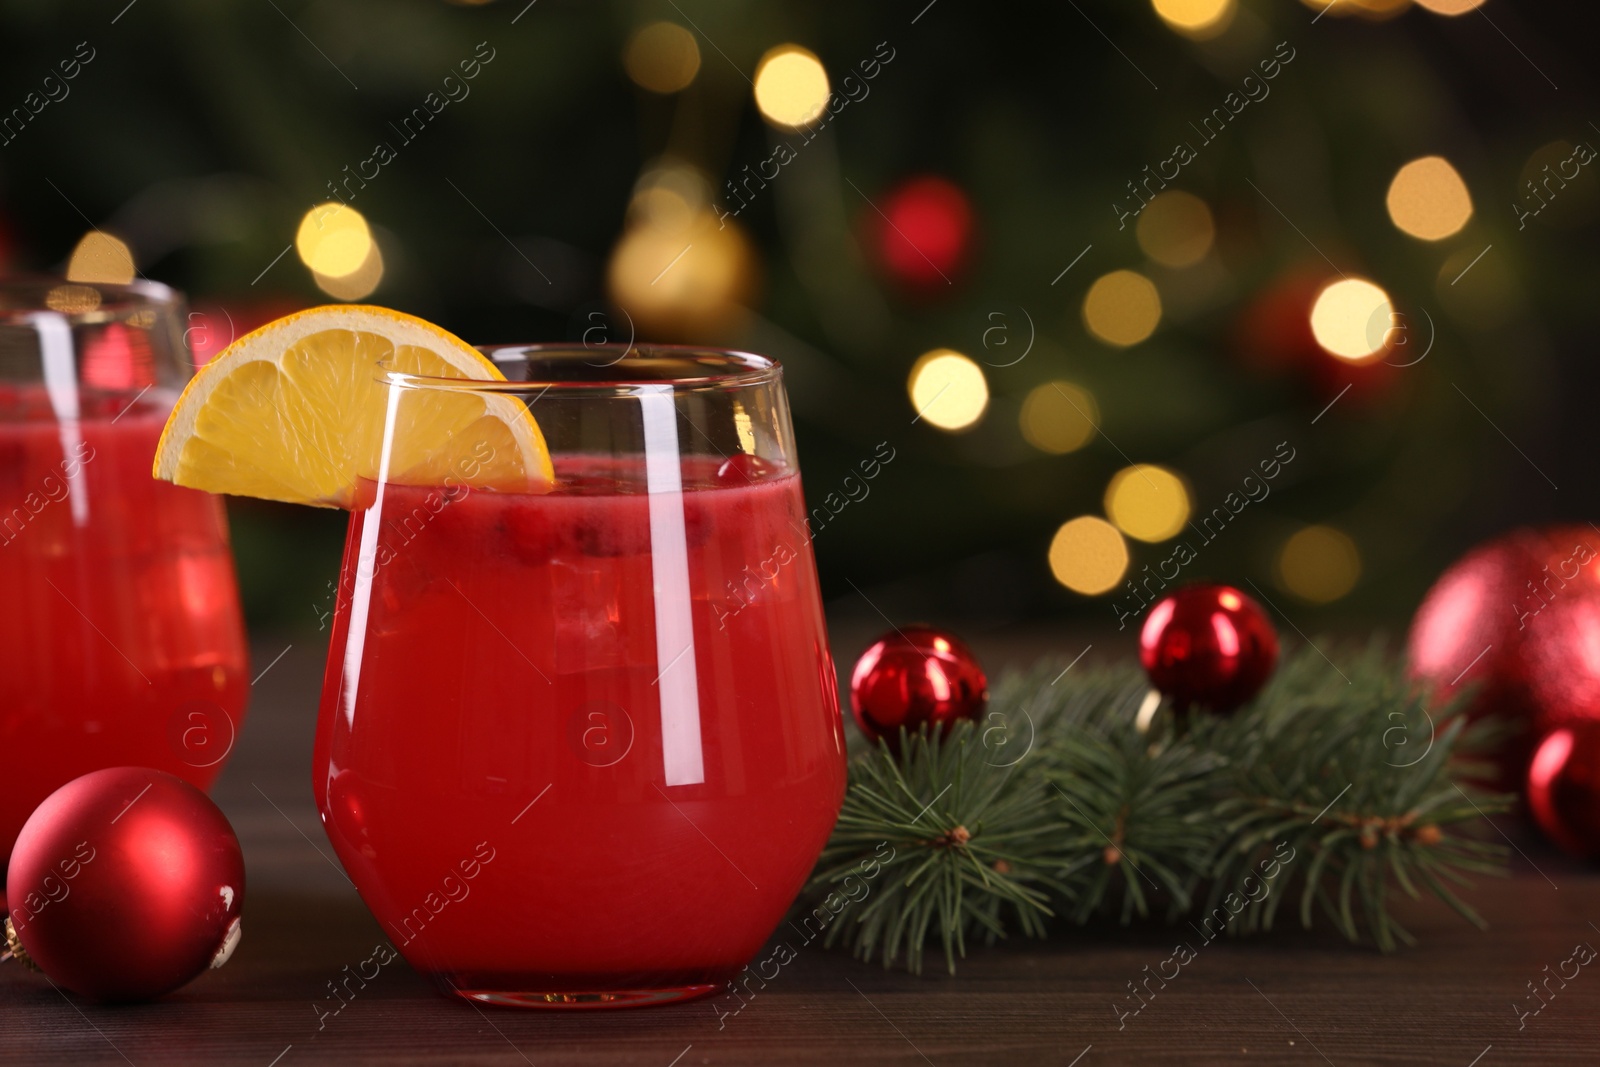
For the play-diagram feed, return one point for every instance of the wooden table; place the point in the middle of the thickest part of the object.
(1296, 998)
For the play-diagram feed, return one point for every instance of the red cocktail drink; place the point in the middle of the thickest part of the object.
(582, 747)
(121, 643)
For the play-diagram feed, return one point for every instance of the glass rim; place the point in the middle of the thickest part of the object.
(136, 294)
(680, 368)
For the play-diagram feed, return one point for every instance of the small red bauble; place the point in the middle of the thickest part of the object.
(924, 235)
(1209, 646)
(1564, 788)
(125, 884)
(913, 677)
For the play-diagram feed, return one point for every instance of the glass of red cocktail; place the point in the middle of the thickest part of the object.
(581, 747)
(122, 640)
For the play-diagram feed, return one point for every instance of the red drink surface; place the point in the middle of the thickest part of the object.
(510, 659)
(121, 641)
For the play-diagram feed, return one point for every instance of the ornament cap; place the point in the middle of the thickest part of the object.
(230, 941)
(15, 949)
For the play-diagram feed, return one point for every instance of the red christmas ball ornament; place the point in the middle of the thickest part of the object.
(914, 677)
(924, 235)
(1562, 654)
(125, 884)
(1208, 646)
(1564, 788)
(1515, 617)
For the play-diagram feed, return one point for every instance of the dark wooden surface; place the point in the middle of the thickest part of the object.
(1296, 998)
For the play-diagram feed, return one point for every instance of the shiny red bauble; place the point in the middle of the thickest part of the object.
(1208, 646)
(1519, 619)
(915, 677)
(924, 235)
(1564, 788)
(125, 884)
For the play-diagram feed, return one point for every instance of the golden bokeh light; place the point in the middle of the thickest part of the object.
(1352, 319)
(357, 285)
(662, 57)
(1376, 10)
(1122, 308)
(1557, 187)
(1450, 7)
(948, 389)
(1196, 18)
(685, 277)
(670, 195)
(1088, 555)
(1319, 564)
(1059, 417)
(1147, 502)
(1428, 199)
(101, 259)
(1175, 229)
(791, 86)
(333, 240)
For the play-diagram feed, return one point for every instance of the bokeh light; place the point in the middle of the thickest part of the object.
(1147, 502)
(1428, 199)
(1351, 319)
(333, 240)
(1319, 564)
(948, 389)
(1059, 417)
(679, 272)
(358, 284)
(101, 259)
(1375, 10)
(1175, 229)
(791, 86)
(1088, 555)
(1557, 188)
(662, 57)
(1196, 18)
(1122, 308)
(926, 234)
(1450, 7)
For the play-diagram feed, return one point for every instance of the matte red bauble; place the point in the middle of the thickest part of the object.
(125, 884)
(1518, 617)
(924, 234)
(1564, 788)
(1208, 646)
(914, 677)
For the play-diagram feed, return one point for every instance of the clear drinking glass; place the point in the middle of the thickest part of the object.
(121, 641)
(581, 748)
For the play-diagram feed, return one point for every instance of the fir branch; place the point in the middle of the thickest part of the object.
(1332, 791)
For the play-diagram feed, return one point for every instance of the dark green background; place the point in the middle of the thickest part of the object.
(202, 131)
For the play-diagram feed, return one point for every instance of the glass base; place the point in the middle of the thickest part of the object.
(586, 1001)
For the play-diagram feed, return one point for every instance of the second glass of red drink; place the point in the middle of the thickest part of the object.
(581, 747)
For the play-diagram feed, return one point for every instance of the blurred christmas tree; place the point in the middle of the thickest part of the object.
(1075, 264)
